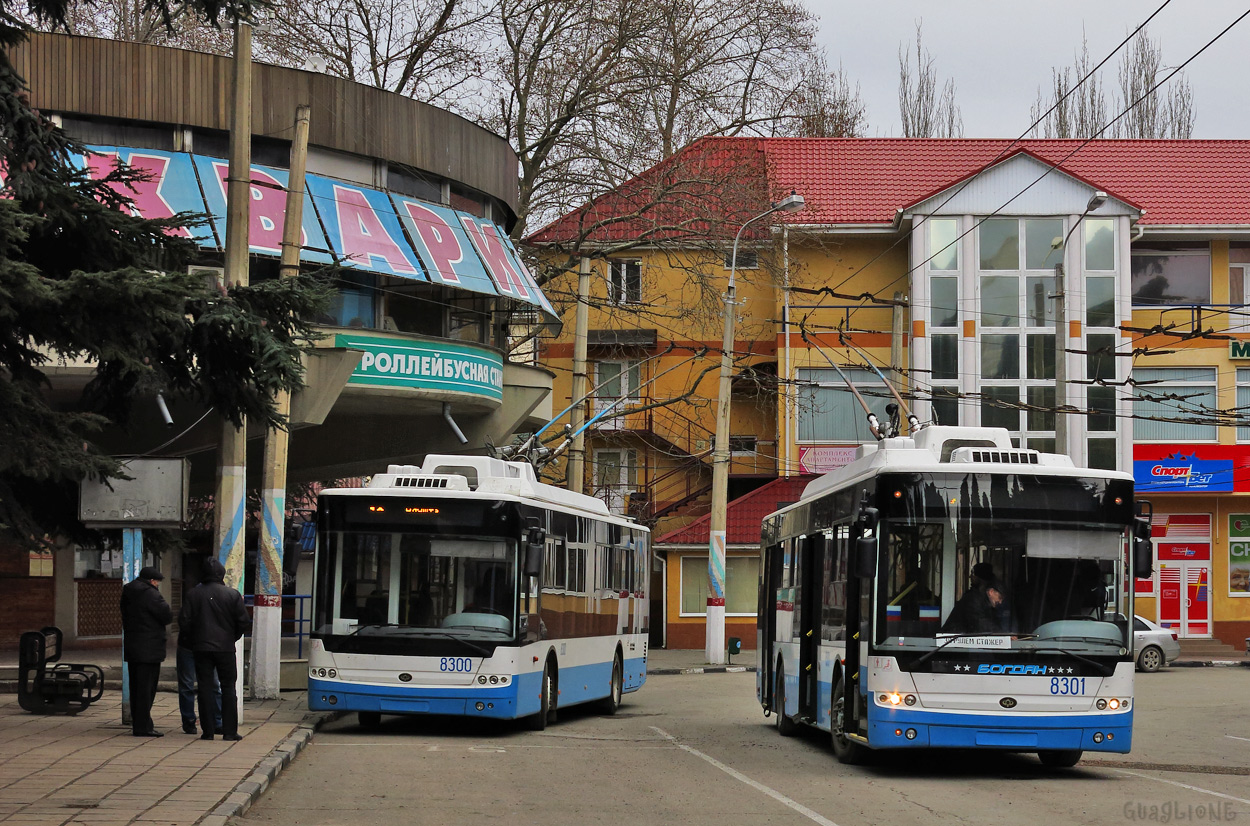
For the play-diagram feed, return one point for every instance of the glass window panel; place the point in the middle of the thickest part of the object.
(1042, 398)
(1040, 307)
(1000, 357)
(828, 412)
(1237, 284)
(1103, 454)
(609, 375)
(1000, 301)
(1243, 402)
(1000, 244)
(741, 581)
(1171, 277)
(1100, 297)
(945, 295)
(1100, 243)
(945, 357)
(1039, 235)
(1195, 387)
(946, 405)
(1101, 408)
(1045, 444)
(943, 244)
(1100, 356)
(1000, 407)
(1041, 356)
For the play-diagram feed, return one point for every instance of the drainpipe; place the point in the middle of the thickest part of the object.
(455, 428)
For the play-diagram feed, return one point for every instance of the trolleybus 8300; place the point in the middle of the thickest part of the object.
(949, 590)
(466, 587)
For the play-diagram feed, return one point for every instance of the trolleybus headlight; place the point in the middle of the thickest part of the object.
(332, 673)
(321, 672)
(481, 678)
(494, 680)
(1114, 704)
(480, 706)
(1101, 704)
(1098, 737)
(895, 699)
(910, 699)
(503, 680)
(911, 734)
(333, 700)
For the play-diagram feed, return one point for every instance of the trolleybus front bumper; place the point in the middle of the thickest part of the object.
(498, 702)
(910, 728)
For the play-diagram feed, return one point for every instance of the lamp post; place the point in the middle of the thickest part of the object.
(715, 645)
(1061, 327)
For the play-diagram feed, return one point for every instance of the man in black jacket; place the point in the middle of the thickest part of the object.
(212, 620)
(145, 613)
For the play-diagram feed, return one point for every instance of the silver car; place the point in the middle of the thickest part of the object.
(1153, 646)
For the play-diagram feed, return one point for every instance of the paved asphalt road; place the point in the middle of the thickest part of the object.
(697, 750)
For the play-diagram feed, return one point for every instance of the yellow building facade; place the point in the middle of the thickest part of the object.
(940, 265)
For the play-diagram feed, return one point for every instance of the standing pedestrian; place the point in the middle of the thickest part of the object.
(212, 620)
(187, 686)
(145, 613)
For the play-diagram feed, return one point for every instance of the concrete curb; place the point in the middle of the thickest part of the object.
(709, 669)
(249, 790)
(1209, 663)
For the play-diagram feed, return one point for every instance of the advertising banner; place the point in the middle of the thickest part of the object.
(1239, 554)
(824, 458)
(1191, 468)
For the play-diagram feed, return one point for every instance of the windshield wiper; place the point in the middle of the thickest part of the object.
(360, 628)
(1105, 670)
(955, 638)
(473, 646)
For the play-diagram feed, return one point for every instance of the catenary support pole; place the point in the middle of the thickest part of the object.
(266, 667)
(228, 534)
(132, 563)
(577, 451)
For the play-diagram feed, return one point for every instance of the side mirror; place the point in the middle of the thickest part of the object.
(1143, 549)
(864, 557)
(535, 545)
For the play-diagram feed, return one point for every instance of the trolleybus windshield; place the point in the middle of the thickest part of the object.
(1002, 561)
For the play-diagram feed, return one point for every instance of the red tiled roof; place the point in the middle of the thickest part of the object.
(865, 180)
(744, 515)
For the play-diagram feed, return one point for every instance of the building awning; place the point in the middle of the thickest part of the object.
(364, 228)
(642, 339)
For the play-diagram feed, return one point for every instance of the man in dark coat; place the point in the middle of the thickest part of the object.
(212, 620)
(144, 617)
(976, 612)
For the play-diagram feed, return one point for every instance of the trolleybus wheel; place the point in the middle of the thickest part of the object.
(785, 726)
(1060, 758)
(546, 706)
(612, 702)
(846, 750)
(369, 719)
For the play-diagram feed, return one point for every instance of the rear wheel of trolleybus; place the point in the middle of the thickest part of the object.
(546, 704)
(846, 750)
(1060, 758)
(609, 704)
(785, 726)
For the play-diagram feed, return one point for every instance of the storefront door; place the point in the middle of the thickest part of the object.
(1184, 598)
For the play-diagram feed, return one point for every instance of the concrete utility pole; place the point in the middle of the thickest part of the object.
(1061, 324)
(577, 451)
(232, 462)
(266, 675)
(714, 648)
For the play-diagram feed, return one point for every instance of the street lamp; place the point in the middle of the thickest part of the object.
(1061, 324)
(715, 645)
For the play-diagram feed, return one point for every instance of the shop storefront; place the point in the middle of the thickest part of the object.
(1201, 529)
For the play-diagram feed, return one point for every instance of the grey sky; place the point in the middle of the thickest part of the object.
(1000, 51)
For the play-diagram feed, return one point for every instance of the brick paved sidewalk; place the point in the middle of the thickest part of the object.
(89, 769)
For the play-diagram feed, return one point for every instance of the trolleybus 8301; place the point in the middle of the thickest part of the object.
(466, 587)
(949, 590)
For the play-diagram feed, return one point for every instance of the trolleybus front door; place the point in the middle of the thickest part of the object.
(813, 550)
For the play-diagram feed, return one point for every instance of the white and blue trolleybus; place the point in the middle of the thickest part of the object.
(467, 587)
(947, 589)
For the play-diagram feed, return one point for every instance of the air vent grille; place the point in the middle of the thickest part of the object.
(420, 482)
(996, 457)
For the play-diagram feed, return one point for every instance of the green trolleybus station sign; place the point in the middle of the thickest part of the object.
(426, 365)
